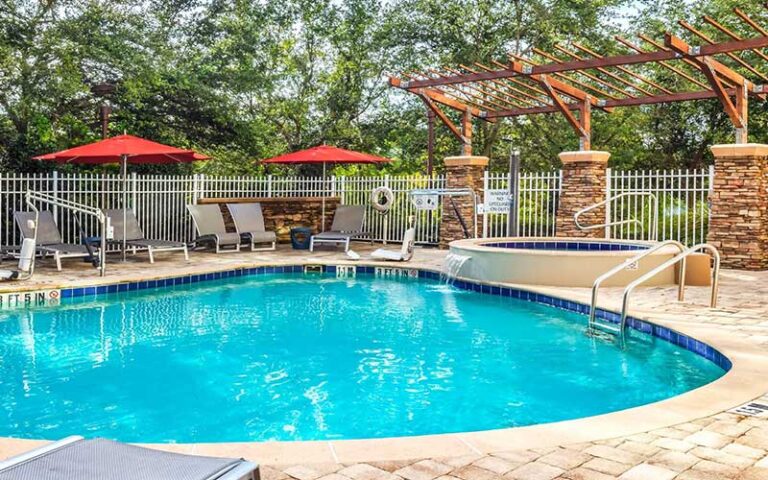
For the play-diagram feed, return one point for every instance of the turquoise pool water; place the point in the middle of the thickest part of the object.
(294, 357)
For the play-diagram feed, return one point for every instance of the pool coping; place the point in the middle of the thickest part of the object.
(737, 386)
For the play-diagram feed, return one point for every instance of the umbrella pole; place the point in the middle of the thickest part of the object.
(124, 172)
(322, 226)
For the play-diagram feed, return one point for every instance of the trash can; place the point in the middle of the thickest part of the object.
(300, 237)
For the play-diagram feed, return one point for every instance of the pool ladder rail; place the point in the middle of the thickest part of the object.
(654, 226)
(681, 257)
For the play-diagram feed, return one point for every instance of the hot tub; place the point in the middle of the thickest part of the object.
(562, 262)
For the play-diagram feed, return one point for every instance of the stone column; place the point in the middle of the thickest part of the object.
(583, 185)
(461, 172)
(738, 222)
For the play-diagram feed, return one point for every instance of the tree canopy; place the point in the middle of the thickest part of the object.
(244, 80)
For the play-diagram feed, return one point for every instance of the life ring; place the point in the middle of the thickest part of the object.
(385, 194)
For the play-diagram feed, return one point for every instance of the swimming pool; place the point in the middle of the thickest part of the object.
(311, 357)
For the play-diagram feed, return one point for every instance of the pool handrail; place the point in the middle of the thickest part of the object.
(681, 258)
(654, 233)
(618, 268)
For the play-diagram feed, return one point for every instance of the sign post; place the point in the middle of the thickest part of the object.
(514, 192)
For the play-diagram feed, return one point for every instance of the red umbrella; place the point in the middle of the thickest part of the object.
(123, 149)
(326, 154)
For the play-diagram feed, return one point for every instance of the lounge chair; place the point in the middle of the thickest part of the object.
(347, 224)
(210, 227)
(74, 458)
(49, 238)
(134, 236)
(404, 254)
(249, 223)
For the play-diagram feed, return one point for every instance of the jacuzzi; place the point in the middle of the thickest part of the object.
(561, 262)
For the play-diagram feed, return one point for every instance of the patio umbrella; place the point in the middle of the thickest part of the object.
(325, 154)
(123, 149)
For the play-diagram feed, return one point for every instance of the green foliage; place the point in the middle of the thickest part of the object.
(244, 80)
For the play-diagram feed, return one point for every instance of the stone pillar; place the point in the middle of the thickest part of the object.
(461, 172)
(583, 185)
(738, 221)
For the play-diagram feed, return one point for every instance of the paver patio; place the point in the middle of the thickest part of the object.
(720, 446)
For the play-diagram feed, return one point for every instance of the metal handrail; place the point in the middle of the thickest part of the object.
(681, 291)
(33, 196)
(618, 268)
(655, 213)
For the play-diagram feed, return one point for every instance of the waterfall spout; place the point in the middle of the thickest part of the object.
(452, 267)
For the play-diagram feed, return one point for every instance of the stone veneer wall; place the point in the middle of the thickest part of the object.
(461, 172)
(584, 177)
(283, 213)
(738, 224)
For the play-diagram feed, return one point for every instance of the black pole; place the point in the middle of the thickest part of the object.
(514, 192)
(430, 141)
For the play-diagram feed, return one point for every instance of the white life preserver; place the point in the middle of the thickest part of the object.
(379, 194)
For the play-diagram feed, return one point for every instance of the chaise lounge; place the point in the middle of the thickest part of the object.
(49, 239)
(347, 224)
(75, 458)
(134, 236)
(249, 223)
(210, 227)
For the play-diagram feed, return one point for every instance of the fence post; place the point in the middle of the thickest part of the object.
(608, 212)
(386, 215)
(134, 191)
(55, 185)
(269, 186)
(485, 198)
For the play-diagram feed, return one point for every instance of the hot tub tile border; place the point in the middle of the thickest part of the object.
(700, 348)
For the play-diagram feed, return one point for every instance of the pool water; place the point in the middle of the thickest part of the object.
(295, 357)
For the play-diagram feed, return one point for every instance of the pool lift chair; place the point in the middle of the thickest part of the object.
(404, 254)
(26, 267)
(75, 458)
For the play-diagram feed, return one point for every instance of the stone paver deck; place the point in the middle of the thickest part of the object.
(719, 446)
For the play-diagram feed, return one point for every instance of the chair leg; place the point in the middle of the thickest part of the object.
(57, 257)
(312, 244)
(186, 253)
(151, 255)
(346, 246)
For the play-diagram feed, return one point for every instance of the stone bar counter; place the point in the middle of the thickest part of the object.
(283, 213)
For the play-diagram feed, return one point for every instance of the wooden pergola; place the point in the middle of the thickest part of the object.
(576, 80)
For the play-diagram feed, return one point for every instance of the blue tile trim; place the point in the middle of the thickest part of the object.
(658, 331)
(567, 246)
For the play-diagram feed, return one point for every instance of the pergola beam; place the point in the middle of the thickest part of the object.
(737, 110)
(624, 102)
(592, 63)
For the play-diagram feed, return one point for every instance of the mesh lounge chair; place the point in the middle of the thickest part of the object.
(48, 236)
(210, 227)
(347, 224)
(404, 254)
(134, 236)
(74, 458)
(249, 222)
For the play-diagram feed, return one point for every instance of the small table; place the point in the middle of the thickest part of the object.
(300, 237)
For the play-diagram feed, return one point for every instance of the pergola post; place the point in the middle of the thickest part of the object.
(466, 134)
(738, 220)
(583, 185)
